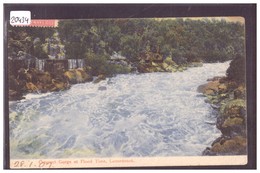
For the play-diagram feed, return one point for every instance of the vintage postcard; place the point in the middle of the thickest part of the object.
(126, 91)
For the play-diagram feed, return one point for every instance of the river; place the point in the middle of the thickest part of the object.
(132, 115)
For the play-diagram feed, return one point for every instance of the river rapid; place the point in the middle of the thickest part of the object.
(132, 115)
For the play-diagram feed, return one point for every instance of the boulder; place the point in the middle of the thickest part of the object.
(14, 95)
(222, 88)
(154, 64)
(168, 68)
(195, 64)
(44, 77)
(240, 92)
(169, 61)
(235, 146)
(85, 77)
(71, 76)
(99, 78)
(180, 69)
(77, 76)
(233, 108)
(216, 78)
(210, 88)
(209, 92)
(31, 87)
(231, 122)
(59, 85)
(102, 88)
(214, 85)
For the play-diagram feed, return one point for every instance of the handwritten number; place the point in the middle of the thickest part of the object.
(16, 164)
(21, 20)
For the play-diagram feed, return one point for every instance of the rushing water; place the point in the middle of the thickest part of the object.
(154, 114)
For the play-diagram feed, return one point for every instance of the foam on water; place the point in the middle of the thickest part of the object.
(34, 95)
(155, 114)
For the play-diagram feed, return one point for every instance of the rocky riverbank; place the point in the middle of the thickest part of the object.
(167, 65)
(35, 81)
(229, 99)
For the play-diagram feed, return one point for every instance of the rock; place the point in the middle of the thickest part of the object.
(102, 88)
(141, 68)
(240, 92)
(159, 69)
(223, 96)
(233, 108)
(168, 68)
(216, 78)
(201, 88)
(213, 85)
(230, 122)
(231, 85)
(86, 77)
(210, 88)
(180, 69)
(77, 76)
(208, 152)
(44, 77)
(14, 95)
(236, 145)
(222, 88)
(195, 64)
(165, 65)
(41, 87)
(220, 140)
(71, 76)
(154, 64)
(31, 87)
(209, 92)
(216, 107)
(232, 118)
(169, 61)
(59, 85)
(229, 99)
(99, 78)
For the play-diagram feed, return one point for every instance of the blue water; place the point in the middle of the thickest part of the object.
(154, 114)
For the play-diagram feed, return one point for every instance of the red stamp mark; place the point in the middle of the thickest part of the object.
(41, 23)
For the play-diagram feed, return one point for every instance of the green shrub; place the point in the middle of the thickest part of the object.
(237, 69)
(99, 65)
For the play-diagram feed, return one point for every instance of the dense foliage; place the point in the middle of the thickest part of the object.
(28, 40)
(237, 69)
(96, 40)
(189, 40)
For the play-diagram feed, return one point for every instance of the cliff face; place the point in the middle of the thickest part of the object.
(228, 96)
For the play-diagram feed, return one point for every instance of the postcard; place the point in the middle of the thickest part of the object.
(125, 92)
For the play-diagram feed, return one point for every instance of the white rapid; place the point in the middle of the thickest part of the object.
(154, 114)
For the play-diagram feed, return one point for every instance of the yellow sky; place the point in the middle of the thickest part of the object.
(228, 19)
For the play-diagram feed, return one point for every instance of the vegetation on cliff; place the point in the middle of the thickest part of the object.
(96, 40)
(182, 40)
